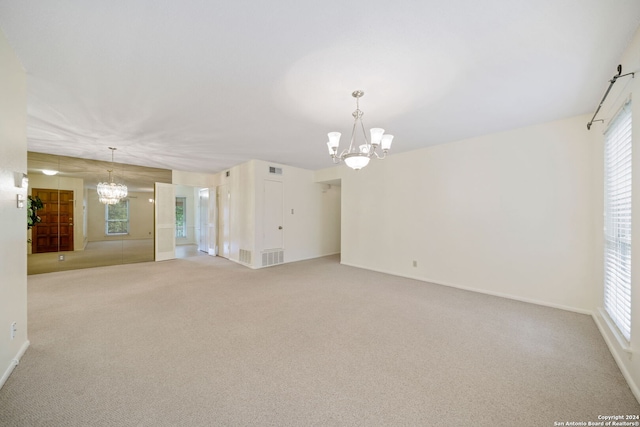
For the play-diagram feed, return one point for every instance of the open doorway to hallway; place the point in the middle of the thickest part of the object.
(192, 213)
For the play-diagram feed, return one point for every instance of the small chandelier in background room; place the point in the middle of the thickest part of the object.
(111, 193)
(358, 156)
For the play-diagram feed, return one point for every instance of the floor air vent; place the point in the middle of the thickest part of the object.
(245, 256)
(272, 257)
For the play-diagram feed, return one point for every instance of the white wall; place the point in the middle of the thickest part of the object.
(508, 214)
(626, 354)
(193, 179)
(242, 209)
(13, 233)
(313, 229)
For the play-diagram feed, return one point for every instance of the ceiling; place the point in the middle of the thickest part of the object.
(202, 85)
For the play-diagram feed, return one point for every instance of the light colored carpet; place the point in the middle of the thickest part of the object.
(205, 342)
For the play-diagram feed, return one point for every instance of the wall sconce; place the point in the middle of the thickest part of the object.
(20, 180)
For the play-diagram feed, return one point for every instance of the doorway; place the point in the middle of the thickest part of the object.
(54, 233)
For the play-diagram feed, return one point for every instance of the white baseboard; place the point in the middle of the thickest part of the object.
(616, 349)
(480, 291)
(14, 363)
(286, 262)
(311, 257)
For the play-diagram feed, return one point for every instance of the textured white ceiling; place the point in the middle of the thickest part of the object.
(205, 85)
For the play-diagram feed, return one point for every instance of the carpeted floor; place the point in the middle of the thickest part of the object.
(206, 342)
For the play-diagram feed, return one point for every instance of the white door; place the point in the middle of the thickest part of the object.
(203, 220)
(212, 225)
(224, 240)
(165, 218)
(273, 215)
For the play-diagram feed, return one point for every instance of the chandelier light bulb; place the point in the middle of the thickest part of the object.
(334, 139)
(386, 142)
(376, 135)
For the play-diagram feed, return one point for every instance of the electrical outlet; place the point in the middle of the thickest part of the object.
(14, 329)
(415, 263)
(60, 257)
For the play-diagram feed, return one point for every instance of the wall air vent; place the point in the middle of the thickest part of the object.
(275, 171)
(272, 257)
(245, 256)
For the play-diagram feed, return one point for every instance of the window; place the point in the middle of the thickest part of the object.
(181, 218)
(617, 222)
(117, 218)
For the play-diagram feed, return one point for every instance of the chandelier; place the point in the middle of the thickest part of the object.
(111, 193)
(358, 156)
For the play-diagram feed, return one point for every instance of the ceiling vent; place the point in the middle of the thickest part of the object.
(275, 171)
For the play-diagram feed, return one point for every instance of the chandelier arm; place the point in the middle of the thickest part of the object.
(364, 132)
(353, 137)
(384, 154)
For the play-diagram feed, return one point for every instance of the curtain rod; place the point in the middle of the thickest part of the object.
(611, 82)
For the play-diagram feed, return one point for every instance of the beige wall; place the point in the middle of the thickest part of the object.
(512, 214)
(13, 233)
(508, 214)
(141, 225)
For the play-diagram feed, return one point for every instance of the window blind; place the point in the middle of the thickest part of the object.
(617, 251)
